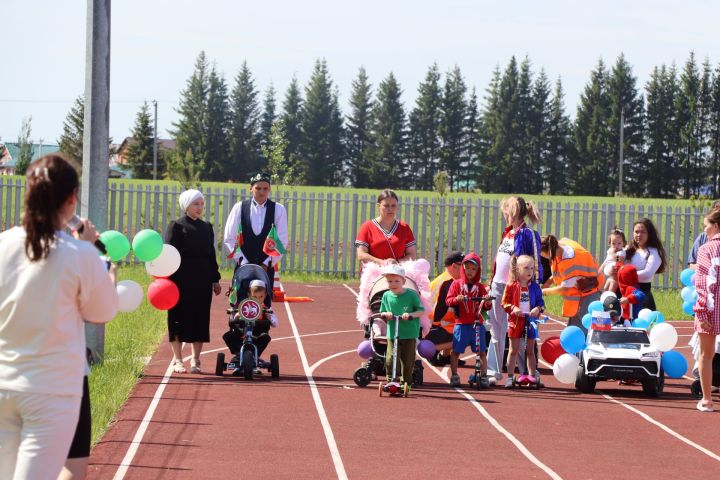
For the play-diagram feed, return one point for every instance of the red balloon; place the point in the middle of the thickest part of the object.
(163, 294)
(551, 349)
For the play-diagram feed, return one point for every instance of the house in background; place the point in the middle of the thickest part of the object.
(11, 152)
(119, 159)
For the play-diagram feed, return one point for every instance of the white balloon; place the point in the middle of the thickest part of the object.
(606, 295)
(664, 337)
(644, 313)
(130, 295)
(565, 368)
(166, 264)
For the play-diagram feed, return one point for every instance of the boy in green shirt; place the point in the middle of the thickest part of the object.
(404, 302)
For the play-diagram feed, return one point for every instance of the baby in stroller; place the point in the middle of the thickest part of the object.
(372, 287)
(250, 282)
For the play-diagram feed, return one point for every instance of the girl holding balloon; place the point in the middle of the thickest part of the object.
(707, 307)
(197, 279)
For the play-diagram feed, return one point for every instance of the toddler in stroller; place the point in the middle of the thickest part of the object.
(372, 287)
(249, 321)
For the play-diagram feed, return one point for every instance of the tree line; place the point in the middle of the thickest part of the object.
(519, 138)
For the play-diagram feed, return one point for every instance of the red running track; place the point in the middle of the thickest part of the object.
(315, 423)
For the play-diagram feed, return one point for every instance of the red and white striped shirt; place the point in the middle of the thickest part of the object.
(707, 307)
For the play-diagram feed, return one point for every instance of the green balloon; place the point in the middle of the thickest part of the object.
(147, 245)
(116, 244)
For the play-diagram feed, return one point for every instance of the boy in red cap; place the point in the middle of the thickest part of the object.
(460, 297)
(632, 298)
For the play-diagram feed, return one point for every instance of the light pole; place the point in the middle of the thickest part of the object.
(620, 160)
(155, 142)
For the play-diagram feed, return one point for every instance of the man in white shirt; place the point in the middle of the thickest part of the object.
(249, 224)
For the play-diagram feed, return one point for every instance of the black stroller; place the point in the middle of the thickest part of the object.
(375, 365)
(247, 360)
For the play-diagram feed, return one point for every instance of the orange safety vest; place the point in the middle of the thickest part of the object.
(582, 264)
(448, 320)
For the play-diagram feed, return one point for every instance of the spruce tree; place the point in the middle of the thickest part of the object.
(626, 99)
(140, 151)
(686, 117)
(489, 125)
(244, 127)
(218, 167)
(714, 134)
(358, 131)
(558, 138)
(389, 131)
(661, 136)
(292, 122)
(321, 148)
(424, 120)
(24, 144)
(538, 132)
(589, 174)
(71, 140)
(279, 167)
(703, 132)
(190, 131)
(268, 115)
(470, 162)
(451, 131)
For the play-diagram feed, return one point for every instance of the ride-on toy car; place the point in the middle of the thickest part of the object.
(620, 353)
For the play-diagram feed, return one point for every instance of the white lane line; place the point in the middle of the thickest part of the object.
(329, 437)
(351, 290)
(284, 338)
(672, 432)
(323, 360)
(518, 444)
(137, 439)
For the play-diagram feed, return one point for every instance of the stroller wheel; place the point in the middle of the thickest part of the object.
(220, 364)
(362, 377)
(696, 389)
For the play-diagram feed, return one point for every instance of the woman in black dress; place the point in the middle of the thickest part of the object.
(197, 279)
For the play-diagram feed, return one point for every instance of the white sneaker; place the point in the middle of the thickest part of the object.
(509, 382)
(492, 380)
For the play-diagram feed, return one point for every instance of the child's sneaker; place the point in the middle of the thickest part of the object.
(455, 380)
(531, 379)
(484, 382)
(523, 379)
(491, 380)
(509, 382)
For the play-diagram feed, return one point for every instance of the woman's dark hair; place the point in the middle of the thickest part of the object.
(385, 194)
(653, 241)
(549, 244)
(51, 180)
(617, 231)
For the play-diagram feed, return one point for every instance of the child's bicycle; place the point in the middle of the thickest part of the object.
(477, 378)
(394, 388)
(524, 380)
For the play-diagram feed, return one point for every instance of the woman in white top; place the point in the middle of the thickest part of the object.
(646, 253)
(49, 283)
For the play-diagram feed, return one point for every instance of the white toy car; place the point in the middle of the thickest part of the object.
(621, 353)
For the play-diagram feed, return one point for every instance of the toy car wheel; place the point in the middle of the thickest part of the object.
(696, 389)
(362, 377)
(274, 366)
(220, 364)
(583, 383)
(653, 387)
(248, 364)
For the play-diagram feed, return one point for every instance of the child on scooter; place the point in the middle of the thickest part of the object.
(404, 302)
(522, 298)
(461, 297)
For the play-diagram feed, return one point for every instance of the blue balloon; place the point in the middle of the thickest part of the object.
(572, 339)
(596, 306)
(686, 277)
(656, 317)
(641, 323)
(674, 364)
(587, 320)
(688, 308)
(693, 297)
(687, 293)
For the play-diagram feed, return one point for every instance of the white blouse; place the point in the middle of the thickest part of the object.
(646, 261)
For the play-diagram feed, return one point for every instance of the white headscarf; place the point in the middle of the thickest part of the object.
(187, 197)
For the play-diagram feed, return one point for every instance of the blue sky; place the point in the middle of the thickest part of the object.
(155, 44)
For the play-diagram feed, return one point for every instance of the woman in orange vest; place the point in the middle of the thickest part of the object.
(575, 274)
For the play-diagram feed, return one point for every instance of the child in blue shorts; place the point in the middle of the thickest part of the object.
(522, 297)
(460, 297)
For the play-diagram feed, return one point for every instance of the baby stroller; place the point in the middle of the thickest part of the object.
(246, 361)
(695, 388)
(374, 331)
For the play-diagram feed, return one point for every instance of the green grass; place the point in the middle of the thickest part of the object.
(130, 339)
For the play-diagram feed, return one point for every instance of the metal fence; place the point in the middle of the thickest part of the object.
(322, 226)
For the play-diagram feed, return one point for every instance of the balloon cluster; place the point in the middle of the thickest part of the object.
(161, 261)
(689, 294)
